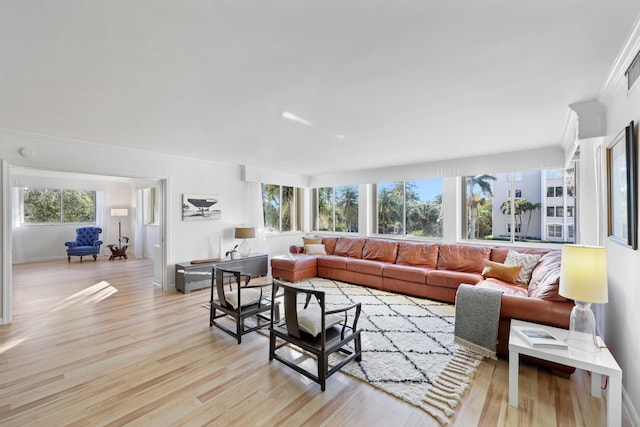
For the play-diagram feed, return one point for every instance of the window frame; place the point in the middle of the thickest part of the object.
(405, 210)
(335, 190)
(61, 213)
(294, 209)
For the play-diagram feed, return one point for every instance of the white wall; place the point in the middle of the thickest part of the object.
(621, 316)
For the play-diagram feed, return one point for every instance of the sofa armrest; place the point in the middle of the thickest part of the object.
(97, 243)
(71, 244)
(536, 310)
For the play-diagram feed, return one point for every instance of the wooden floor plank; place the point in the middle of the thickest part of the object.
(94, 343)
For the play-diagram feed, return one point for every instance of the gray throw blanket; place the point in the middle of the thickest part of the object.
(477, 317)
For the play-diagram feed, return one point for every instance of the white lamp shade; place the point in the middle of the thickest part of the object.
(119, 212)
(583, 275)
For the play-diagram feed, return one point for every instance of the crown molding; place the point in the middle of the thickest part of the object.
(616, 78)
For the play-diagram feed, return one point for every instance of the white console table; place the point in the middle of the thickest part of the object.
(598, 363)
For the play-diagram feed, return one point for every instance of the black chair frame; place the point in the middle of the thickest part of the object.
(331, 340)
(260, 309)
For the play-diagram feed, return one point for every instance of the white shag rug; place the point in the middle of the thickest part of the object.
(407, 346)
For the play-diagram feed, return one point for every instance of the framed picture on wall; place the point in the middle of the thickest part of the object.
(197, 207)
(622, 183)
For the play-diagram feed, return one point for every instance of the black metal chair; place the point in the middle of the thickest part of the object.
(240, 302)
(314, 329)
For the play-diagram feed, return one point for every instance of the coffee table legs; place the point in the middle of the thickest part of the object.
(614, 394)
(514, 370)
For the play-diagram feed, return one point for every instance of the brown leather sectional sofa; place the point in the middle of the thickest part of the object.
(435, 270)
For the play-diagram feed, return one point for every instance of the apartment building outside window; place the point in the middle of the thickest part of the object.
(492, 214)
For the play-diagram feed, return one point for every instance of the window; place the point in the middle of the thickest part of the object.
(570, 232)
(556, 211)
(281, 207)
(150, 205)
(554, 191)
(554, 231)
(518, 193)
(517, 229)
(46, 206)
(337, 208)
(492, 214)
(409, 208)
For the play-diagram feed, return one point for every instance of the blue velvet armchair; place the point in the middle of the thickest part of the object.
(87, 243)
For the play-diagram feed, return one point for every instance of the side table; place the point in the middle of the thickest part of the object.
(598, 363)
(118, 251)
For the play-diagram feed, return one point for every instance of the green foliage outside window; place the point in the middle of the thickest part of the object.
(43, 205)
(410, 208)
(337, 209)
(281, 206)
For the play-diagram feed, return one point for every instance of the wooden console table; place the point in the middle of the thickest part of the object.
(190, 276)
(118, 251)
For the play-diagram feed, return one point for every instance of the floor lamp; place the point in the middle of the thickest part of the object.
(119, 213)
(583, 278)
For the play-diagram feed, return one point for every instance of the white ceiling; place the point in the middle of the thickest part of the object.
(383, 83)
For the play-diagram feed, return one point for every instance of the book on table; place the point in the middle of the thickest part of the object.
(538, 337)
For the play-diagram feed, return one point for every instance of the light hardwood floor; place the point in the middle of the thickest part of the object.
(94, 343)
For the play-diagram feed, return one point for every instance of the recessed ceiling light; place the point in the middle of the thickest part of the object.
(289, 116)
(339, 136)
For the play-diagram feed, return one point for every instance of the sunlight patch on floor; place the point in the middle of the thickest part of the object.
(90, 295)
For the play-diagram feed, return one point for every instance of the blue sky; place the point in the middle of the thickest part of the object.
(427, 189)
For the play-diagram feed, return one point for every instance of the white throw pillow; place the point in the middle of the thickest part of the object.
(247, 296)
(315, 249)
(310, 322)
(526, 261)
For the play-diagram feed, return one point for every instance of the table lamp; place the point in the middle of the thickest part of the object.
(245, 233)
(119, 213)
(583, 278)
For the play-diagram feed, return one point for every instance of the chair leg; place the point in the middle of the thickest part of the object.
(95, 257)
(239, 329)
(69, 259)
(212, 315)
(323, 361)
(358, 349)
(272, 345)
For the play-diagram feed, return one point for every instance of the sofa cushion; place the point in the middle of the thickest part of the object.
(418, 254)
(380, 250)
(505, 288)
(406, 272)
(332, 261)
(373, 268)
(526, 261)
(452, 279)
(465, 258)
(329, 244)
(508, 273)
(315, 249)
(499, 254)
(316, 240)
(545, 278)
(349, 247)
